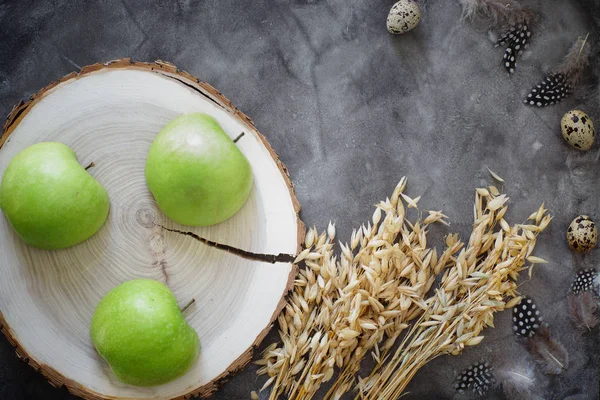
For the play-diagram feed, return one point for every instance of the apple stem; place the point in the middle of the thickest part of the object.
(192, 301)
(90, 166)
(239, 137)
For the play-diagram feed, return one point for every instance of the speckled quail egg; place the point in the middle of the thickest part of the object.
(582, 234)
(403, 16)
(578, 129)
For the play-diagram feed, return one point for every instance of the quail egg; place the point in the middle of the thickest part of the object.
(582, 234)
(578, 129)
(403, 16)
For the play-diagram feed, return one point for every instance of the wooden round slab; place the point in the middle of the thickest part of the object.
(110, 114)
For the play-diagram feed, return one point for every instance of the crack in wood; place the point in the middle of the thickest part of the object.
(194, 88)
(270, 258)
(163, 268)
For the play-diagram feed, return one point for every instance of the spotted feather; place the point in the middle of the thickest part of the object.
(561, 81)
(477, 377)
(585, 281)
(550, 91)
(534, 334)
(516, 38)
(582, 300)
(526, 318)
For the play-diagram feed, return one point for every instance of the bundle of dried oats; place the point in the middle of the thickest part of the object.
(343, 309)
(481, 282)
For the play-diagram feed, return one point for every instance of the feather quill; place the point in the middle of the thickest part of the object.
(518, 380)
(562, 80)
(550, 355)
(592, 93)
(576, 60)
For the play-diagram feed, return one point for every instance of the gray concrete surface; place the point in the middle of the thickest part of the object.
(351, 109)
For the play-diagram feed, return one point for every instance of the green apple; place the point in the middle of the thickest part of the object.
(50, 199)
(196, 173)
(140, 331)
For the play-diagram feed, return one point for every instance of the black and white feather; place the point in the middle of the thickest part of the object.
(583, 300)
(515, 38)
(511, 18)
(526, 318)
(534, 333)
(550, 91)
(561, 81)
(478, 378)
(584, 282)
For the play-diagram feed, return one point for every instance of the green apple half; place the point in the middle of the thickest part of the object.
(50, 199)
(139, 330)
(196, 173)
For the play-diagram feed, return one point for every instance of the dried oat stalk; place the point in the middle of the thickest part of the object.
(480, 283)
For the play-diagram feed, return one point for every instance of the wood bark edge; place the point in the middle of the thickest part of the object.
(21, 109)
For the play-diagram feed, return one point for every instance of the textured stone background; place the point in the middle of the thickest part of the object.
(351, 109)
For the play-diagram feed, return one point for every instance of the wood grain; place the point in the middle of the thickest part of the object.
(109, 114)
